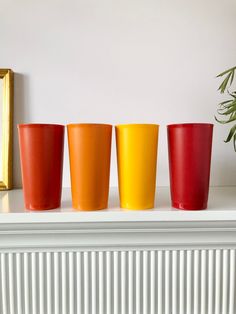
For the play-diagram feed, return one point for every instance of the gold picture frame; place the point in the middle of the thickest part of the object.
(6, 75)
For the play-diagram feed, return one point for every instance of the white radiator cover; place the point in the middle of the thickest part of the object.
(112, 262)
(126, 281)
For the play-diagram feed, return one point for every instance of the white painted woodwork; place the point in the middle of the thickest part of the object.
(161, 261)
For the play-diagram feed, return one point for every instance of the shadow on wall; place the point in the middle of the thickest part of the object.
(226, 172)
(20, 115)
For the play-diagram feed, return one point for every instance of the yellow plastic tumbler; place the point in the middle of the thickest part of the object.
(136, 146)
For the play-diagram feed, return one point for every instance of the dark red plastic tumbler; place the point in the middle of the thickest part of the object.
(41, 152)
(189, 162)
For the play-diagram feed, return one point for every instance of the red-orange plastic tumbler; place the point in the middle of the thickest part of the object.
(41, 152)
(189, 161)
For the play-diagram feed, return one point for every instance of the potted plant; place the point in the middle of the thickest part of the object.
(227, 108)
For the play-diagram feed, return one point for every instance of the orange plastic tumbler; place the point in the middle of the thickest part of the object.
(90, 154)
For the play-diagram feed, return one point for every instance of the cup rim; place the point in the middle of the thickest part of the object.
(88, 124)
(38, 125)
(180, 125)
(136, 125)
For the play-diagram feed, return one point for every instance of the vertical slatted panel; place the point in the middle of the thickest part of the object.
(79, 283)
(56, 283)
(189, 282)
(203, 286)
(34, 283)
(49, 282)
(123, 282)
(211, 282)
(138, 282)
(153, 282)
(174, 283)
(116, 282)
(26, 300)
(94, 283)
(11, 283)
(225, 281)
(41, 283)
(159, 283)
(178, 281)
(167, 283)
(64, 287)
(217, 281)
(19, 282)
(232, 280)
(4, 284)
(145, 282)
(196, 282)
(101, 282)
(181, 282)
(130, 284)
(86, 282)
(108, 282)
(71, 283)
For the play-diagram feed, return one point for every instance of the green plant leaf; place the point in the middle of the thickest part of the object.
(233, 94)
(226, 106)
(235, 142)
(228, 111)
(231, 119)
(224, 84)
(231, 134)
(225, 102)
(226, 71)
(232, 78)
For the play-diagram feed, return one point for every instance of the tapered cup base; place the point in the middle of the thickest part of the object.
(185, 206)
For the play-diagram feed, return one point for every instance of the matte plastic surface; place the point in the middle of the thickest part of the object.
(189, 162)
(137, 158)
(90, 153)
(41, 151)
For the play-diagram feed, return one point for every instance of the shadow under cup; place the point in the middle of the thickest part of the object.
(190, 148)
(41, 152)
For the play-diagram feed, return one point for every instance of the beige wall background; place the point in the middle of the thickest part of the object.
(120, 62)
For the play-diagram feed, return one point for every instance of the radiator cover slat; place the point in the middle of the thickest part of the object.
(146, 281)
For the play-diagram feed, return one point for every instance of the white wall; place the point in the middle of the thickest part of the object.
(120, 61)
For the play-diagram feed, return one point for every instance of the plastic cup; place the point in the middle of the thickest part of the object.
(190, 147)
(90, 153)
(41, 153)
(137, 158)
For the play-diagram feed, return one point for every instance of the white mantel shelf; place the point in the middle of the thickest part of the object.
(221, 207)
(162, 228)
